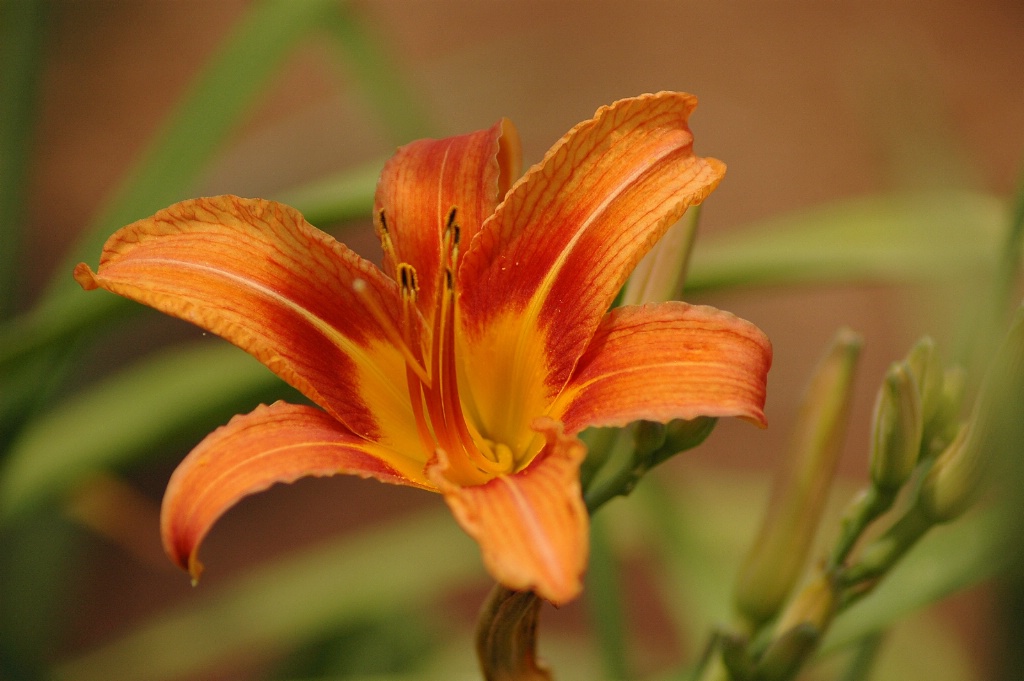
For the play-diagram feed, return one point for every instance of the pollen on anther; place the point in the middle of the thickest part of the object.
(407, 280)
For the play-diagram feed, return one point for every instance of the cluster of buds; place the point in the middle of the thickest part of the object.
(925, 460)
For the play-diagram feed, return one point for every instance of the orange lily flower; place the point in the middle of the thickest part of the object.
(467, 364)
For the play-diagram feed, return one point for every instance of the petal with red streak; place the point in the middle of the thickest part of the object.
(279, 443)
(544, 269)
(532, 526)
(424, 181)
(668, 361)
(256, 273)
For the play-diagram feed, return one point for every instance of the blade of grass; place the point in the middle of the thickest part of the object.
(21, 40)
(221, 95)
(405, 564)
(380, 80)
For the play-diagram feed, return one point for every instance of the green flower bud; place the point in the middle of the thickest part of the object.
(954, 480)
(662, 272)
(944, 424)
(801, 487)
(896, 429)
(682, 434)
(924, 363)
(952, 483)
(799, 630)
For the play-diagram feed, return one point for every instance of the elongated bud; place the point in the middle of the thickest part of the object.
(896, 429)
(952, 483)
(923, 361)
(799, 630)
(660, 275)
(945, 422)
(955, 479)
(801, 487)
(814, 605)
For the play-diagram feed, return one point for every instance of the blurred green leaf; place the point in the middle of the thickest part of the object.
(380, 80)
(339, 198)
(21, 39)
(127, 416)
(222, 94)
(897, 238)
(402, 565)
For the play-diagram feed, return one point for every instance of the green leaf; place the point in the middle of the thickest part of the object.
(380, 80)
(128, 416)
(403, 565)
(898, 238)
(339, 198)
(21, 40)
(222, 94)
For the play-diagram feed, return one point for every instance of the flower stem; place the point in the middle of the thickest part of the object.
(506, 636)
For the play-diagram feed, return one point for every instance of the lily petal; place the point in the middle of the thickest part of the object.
(668, 361)
(532, 526)
(256, 273)
(279, 443)
(544, 269)
(421, 185)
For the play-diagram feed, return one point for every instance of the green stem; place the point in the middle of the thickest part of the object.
(506, 636)
(604, 598)
(864, 511)
(884, 553)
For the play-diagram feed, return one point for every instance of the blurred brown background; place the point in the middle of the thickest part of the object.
(807, 102)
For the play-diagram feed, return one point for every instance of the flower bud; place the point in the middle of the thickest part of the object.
(801, 487)
(991, 434)
(799, 630)
(814, 605)
(681, 435)
(896, 429)
(952, 483)
(944, 424)
(660, 275)
(923, 361)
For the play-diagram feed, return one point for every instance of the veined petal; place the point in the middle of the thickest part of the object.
(256, 273)
(424, 181)
(279, 443)
(532, 526)
(668, 361)
(544, 269)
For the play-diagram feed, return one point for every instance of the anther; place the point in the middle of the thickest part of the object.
(388, 326)
(407, 281)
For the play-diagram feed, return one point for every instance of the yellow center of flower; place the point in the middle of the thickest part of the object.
(432, 371)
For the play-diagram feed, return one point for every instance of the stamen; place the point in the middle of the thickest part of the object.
(386, 324)
(408, 283)
(384, 234)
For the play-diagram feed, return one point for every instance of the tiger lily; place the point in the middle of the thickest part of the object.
(467, 364)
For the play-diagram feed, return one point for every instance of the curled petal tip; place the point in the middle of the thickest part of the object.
(85, 277)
